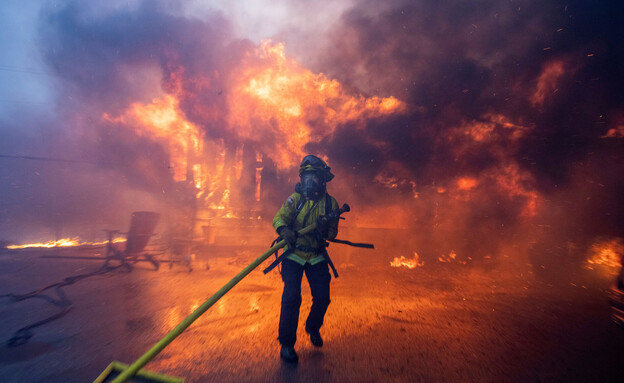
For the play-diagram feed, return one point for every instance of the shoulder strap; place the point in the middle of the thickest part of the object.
(298, 209)
(302, 201)
(328, 204)
(299, 206)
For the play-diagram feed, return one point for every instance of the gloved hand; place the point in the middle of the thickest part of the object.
(288, 235)
(322, 227)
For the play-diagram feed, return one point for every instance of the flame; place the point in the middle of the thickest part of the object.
(164, 120)
(447, 258)
(64, 242)
(608, 253)
(405, 262)
(451, 257)
(274, 107)
(276, 97)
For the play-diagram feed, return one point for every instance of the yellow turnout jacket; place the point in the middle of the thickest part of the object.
(308, 247)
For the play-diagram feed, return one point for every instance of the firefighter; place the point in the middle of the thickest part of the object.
(308, 255)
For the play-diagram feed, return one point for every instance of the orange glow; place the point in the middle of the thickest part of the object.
(516, 183)
(273, 108)
(498, 135)
(490, 128)
(253, 303)
(447, 258)
(606, 253)
(451, 257)
(617, 132)
(481, 131)
(259, 168)
(467, 183)
(275, 96)
(406, 262)
(64, 242)
(164, 121)
(194, 306)
(389, 182)
(547, 82)
(197, 176)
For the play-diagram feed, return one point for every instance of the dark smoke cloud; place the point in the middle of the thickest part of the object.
(457, 65)
(102, 62)
(462, 59)
(104, 59)
(456, 62)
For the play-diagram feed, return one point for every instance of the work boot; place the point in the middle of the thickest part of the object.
(288, 354)
(315, 338)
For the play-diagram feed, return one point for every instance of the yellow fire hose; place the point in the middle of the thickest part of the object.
(129, 371)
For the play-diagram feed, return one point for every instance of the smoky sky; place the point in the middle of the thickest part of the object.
(453, 63)
(463, 59)
(457, 60)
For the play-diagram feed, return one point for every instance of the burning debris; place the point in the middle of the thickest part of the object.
(407, 262)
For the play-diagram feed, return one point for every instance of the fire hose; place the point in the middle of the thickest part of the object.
(127, 372)
(22, 335)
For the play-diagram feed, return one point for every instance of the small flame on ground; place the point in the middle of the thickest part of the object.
(448, 258)
(64, 242)
(606, 253)
(406, 262)
(452, 257)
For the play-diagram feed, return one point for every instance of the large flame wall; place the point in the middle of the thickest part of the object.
(480, 127)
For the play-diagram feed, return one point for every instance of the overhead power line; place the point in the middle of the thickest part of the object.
(23, 70)
(25, 102)
(49, 159)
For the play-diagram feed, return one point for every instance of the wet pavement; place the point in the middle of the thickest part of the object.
(440, 323)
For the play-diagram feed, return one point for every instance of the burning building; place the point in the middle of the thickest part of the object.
(276, 108)
(470, 145)
(468, 137)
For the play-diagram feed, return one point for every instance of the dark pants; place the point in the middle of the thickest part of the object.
(318, 278)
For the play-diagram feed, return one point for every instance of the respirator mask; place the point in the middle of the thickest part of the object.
(312, 186)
